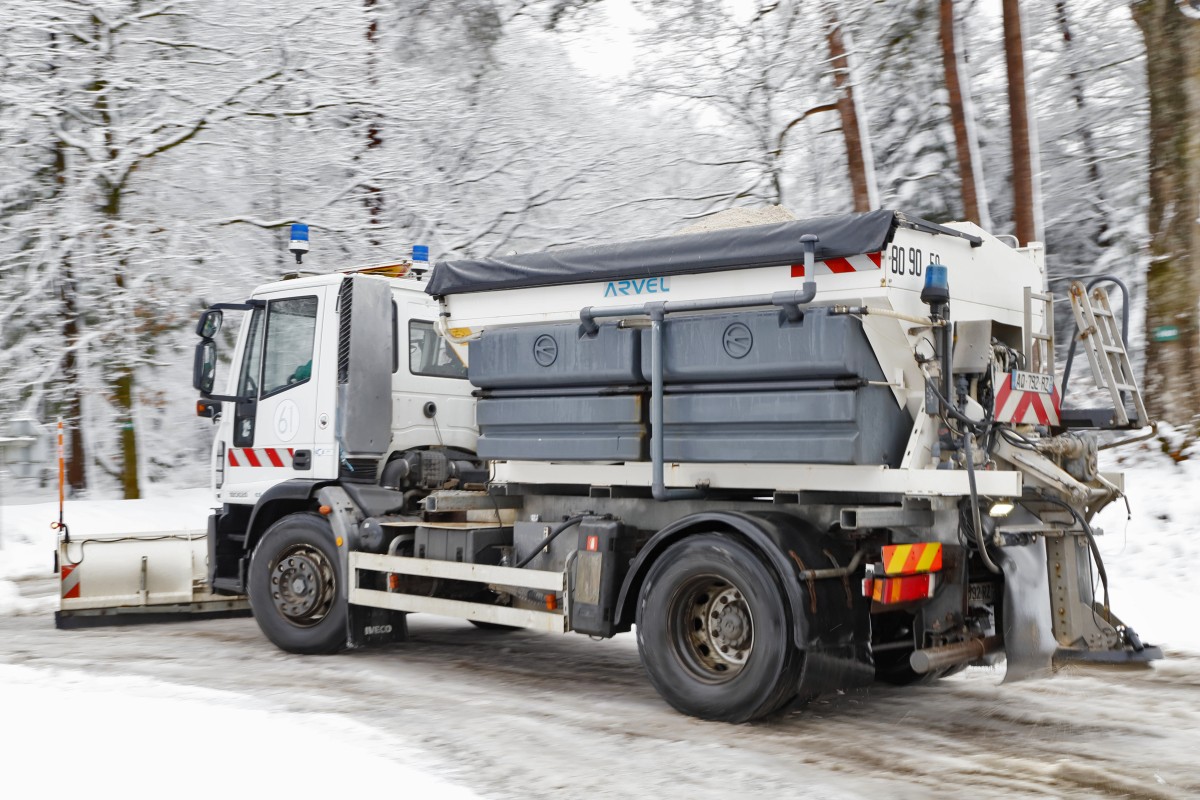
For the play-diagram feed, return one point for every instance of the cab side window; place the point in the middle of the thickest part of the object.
(429, 354)
(252, 362)
(288, 353)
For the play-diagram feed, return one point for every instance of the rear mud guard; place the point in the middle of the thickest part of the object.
(1028, 625)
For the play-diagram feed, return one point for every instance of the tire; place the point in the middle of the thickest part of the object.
(743, 667)
(295, 590)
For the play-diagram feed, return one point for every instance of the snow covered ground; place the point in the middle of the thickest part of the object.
(144, 738)
(1151, 556)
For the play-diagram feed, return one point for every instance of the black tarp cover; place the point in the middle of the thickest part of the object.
(710, 251)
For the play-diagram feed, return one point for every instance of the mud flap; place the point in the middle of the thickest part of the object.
(370, 627)
(1028, 623)
(827, 672)
(837, 654)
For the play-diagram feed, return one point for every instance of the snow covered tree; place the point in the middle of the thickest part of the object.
(118, 85)
(972, 187)
(860, 160)
(1173, 280)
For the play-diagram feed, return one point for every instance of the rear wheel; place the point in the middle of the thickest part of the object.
(294, 588)
(714, 631)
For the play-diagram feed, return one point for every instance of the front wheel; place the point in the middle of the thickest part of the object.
(714, 631)
(294, 588)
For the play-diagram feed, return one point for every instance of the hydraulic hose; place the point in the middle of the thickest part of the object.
(969, 445)
(550, 537)
(952, 411)
(1092, 546)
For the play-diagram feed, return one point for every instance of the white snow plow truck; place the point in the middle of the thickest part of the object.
(796, 458)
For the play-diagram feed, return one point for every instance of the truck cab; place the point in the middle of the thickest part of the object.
(277, 423)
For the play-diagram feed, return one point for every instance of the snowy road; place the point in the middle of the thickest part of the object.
(521, 715)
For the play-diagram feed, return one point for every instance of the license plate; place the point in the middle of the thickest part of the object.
(1032, 382)
(981, 594)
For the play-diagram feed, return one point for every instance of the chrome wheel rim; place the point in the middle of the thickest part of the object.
(302, 585)
(712, 628)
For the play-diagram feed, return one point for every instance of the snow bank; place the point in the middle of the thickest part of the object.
(13, 604)
(27, 542)
(112, 737)
(1150, 555)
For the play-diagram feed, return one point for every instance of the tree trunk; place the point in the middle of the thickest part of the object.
(123, 401)
(1173, 281)
(374, 194)
(122, 384)
(854, 131)
(76, 455)
(1095, 187)
(1024, 208)
(974, 195)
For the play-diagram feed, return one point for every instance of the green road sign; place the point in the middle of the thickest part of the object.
(1166, 333)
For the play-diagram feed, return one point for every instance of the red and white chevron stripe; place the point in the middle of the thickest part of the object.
(259, 456)
(840, 266)
(70, 582)
(1024, 407)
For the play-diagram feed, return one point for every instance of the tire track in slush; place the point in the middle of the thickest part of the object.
(551, 716)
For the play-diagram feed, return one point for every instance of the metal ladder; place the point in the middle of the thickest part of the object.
(1101, 338)
(1039, 347)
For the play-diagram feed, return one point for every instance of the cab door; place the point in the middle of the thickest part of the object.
(280, 424)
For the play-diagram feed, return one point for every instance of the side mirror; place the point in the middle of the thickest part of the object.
(204, 366)
(209, 324)
(209, 409)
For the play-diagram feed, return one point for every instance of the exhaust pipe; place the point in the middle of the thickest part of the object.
(932, 659)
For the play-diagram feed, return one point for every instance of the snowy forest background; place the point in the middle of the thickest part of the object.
(154, 152)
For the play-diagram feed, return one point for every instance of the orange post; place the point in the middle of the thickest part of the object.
(61, 476)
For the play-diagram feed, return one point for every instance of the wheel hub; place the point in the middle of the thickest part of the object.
(730, 629)
(302, 585)
(717, 628)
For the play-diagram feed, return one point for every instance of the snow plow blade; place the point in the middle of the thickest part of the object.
(1133, 653)
(1051, 619)
(124, 579)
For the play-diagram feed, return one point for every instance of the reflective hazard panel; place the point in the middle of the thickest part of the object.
(909, 559)
(901, 589)
(70, 581)
(1026, 398)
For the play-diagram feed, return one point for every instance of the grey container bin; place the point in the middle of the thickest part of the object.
(763, 345)
(572, 428)
(555, 355)
(861, 426)
(740, 387)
